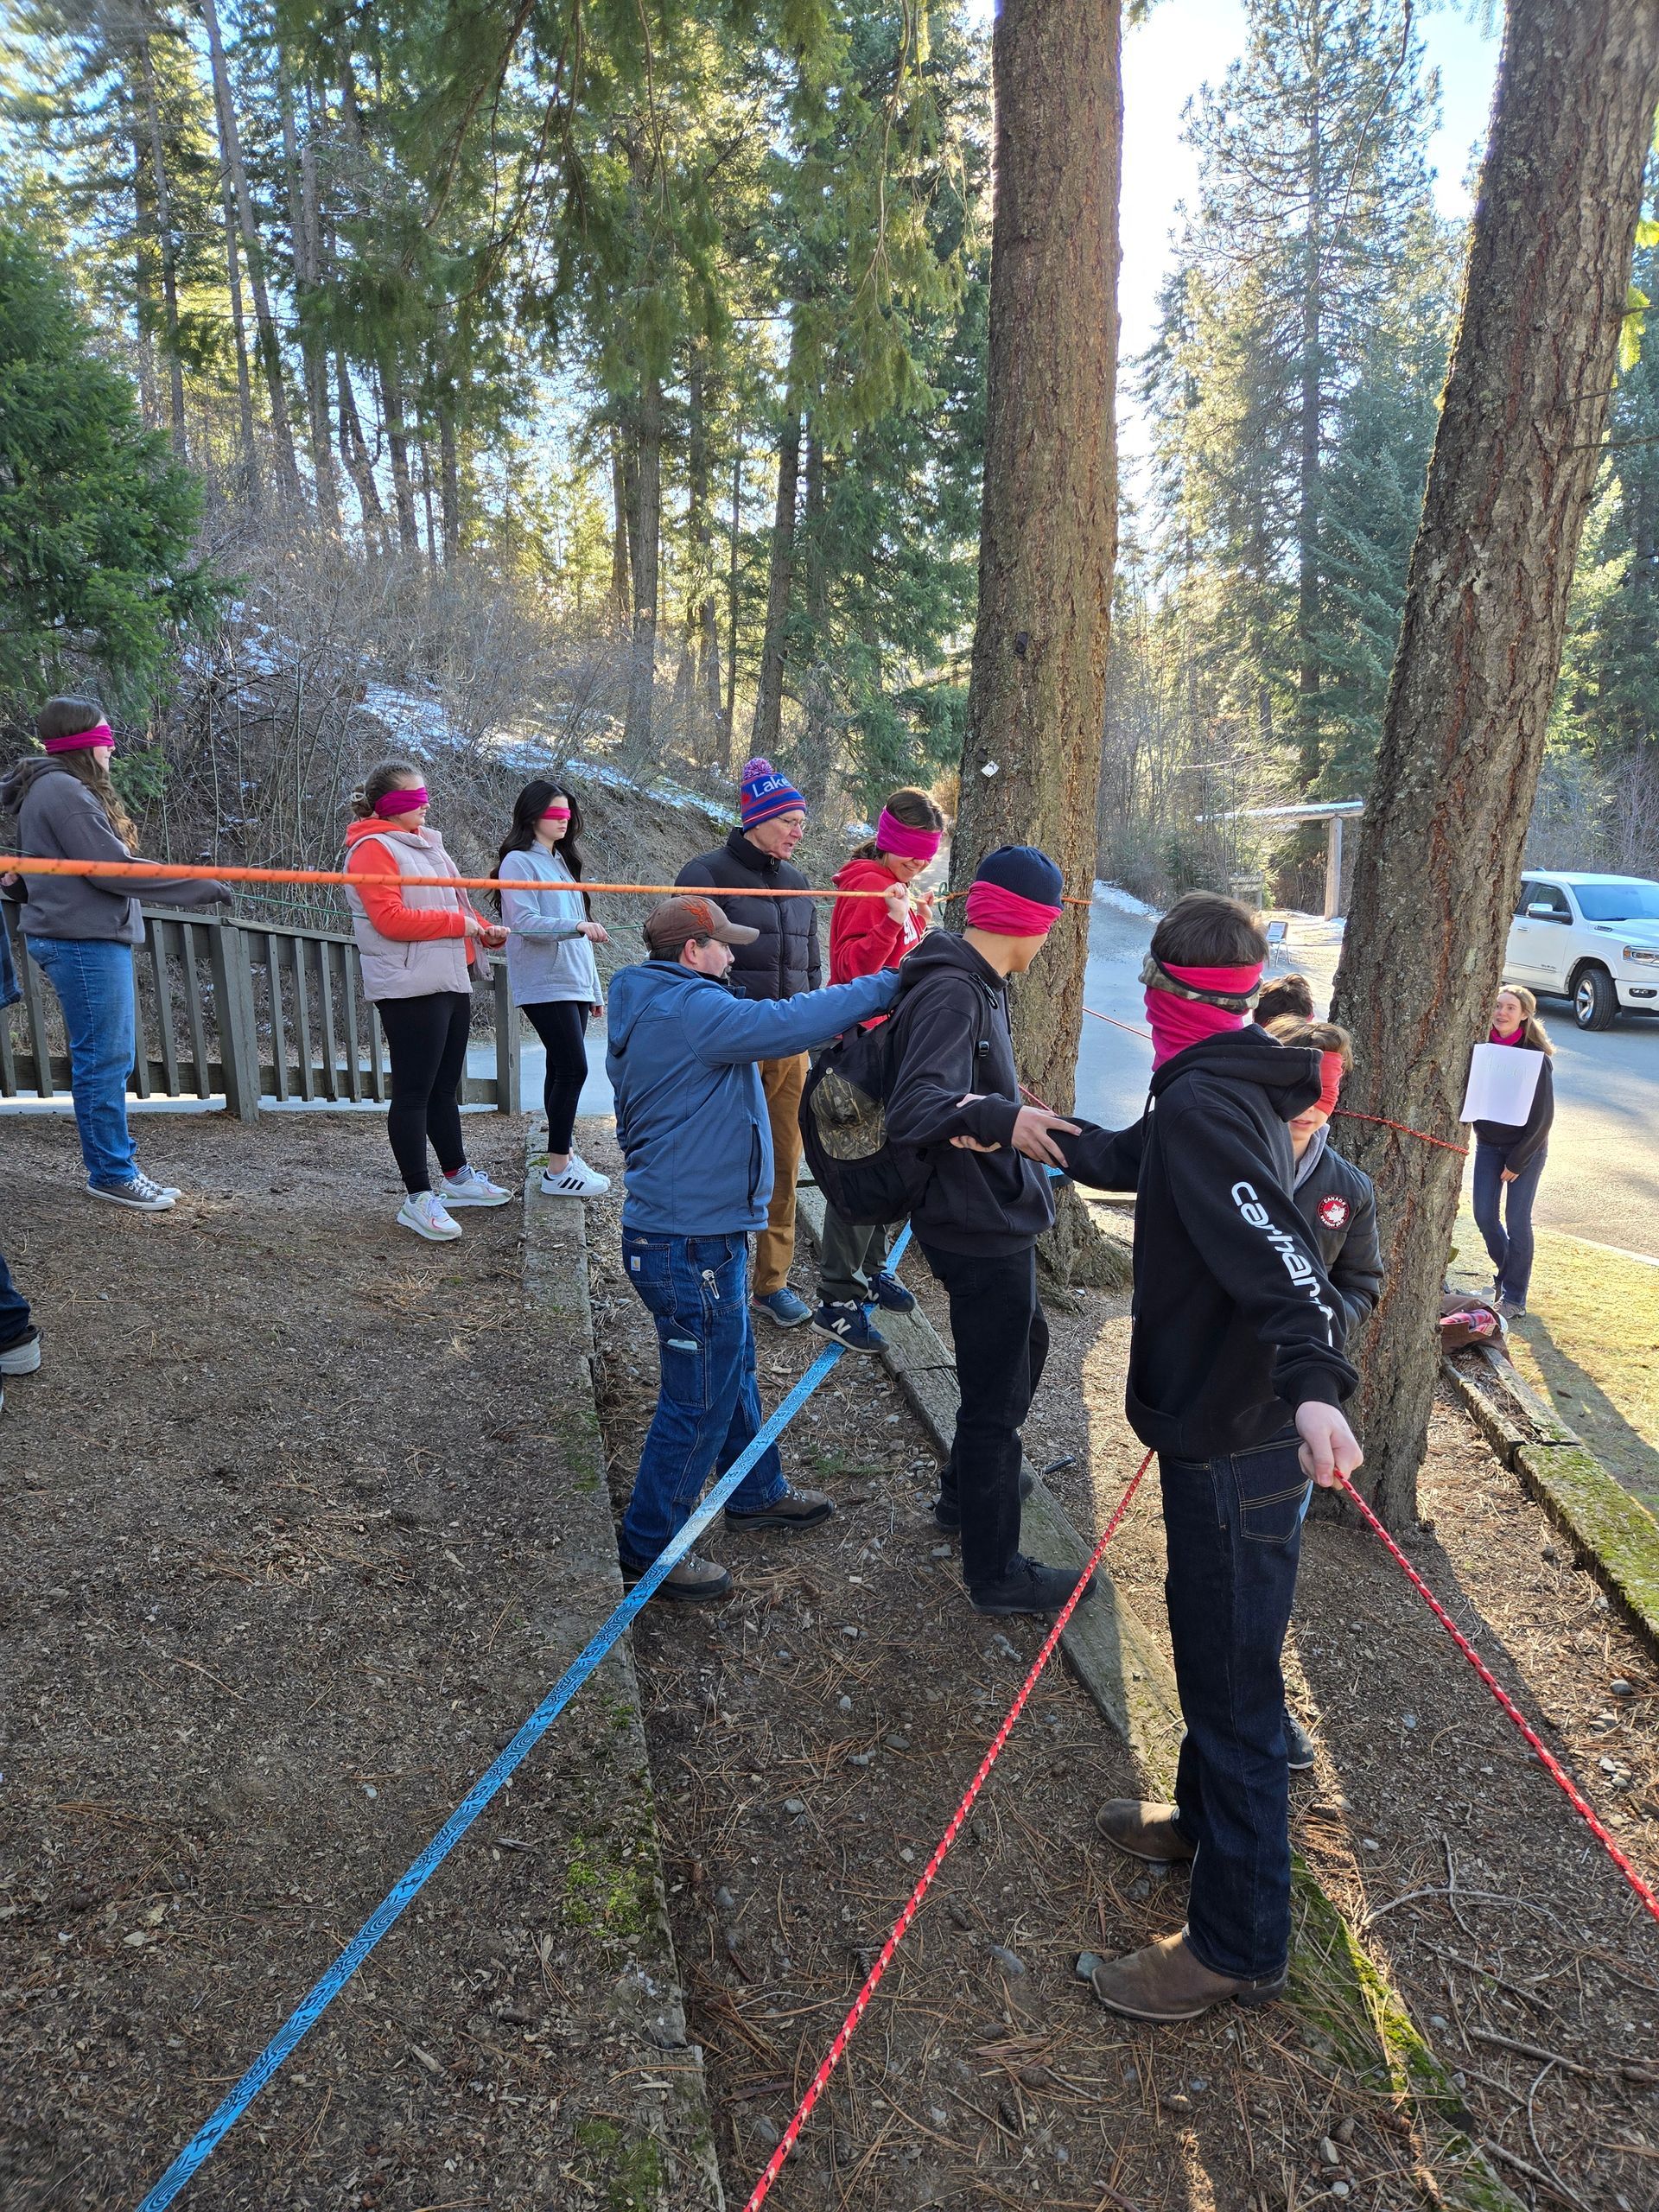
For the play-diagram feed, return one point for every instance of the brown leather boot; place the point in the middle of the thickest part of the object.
(1144, 1831)
(1166, 1982)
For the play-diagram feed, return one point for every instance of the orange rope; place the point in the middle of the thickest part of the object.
(144, 871)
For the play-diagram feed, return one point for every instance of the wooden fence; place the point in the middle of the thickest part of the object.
(247, 1011)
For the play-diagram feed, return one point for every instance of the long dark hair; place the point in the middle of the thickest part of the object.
(527, 810)
(914, 809)
(67, 717)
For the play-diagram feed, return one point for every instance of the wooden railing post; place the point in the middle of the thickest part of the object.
(509, 1070)
(238, 1045)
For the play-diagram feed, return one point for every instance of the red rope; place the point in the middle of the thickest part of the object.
(1351, 1113)
(1551, 1765)
(900, 1927)
(1405, 1128)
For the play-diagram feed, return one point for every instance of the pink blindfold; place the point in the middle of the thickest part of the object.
(400, 802)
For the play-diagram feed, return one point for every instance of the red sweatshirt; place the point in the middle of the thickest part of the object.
(862, 940)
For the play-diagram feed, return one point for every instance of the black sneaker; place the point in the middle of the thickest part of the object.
(1028, 1587)
(947, 1507)
(21, 1355)
(849, 1326)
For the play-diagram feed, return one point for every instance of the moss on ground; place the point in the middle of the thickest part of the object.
(630, 2170)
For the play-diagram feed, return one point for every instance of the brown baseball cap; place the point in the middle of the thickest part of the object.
(677, 921)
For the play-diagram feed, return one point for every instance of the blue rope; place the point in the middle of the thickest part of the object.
(408, 1885)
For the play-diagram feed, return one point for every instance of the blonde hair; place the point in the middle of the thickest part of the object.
(1537, 1035)
(1323, 1036)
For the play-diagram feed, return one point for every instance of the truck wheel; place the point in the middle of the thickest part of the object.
(1595, 1002)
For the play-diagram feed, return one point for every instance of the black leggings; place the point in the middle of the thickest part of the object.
(426, 1039)
(560, 1024)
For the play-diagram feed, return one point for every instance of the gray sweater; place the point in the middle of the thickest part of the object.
(548, 957)
(59, 818)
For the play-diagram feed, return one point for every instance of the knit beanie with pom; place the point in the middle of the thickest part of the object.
(765, 794)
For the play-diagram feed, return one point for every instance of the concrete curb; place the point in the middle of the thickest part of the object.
(1614, 1537)
(1347, 2008)
(655, 2146)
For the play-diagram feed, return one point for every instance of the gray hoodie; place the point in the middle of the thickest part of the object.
(548, 957)
(59, 818)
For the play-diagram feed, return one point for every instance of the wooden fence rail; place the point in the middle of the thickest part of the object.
(247, 1011)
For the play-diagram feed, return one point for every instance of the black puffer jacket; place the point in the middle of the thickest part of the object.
(784, 961)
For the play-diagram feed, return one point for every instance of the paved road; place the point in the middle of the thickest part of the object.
(1602, 1181)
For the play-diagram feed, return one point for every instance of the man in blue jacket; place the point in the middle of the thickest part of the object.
(691, 1119)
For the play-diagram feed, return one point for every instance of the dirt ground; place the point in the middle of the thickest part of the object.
(283, 1572)
(812, 1737)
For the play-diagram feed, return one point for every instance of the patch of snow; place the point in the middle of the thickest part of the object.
(672, 794)
(419, 724)
(1112, 894)
(859, 833)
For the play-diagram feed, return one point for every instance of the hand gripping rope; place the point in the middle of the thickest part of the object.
(1551, 1764)
(410, 1883)
(900, 1927)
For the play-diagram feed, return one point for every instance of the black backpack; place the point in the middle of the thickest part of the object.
(844, 1126)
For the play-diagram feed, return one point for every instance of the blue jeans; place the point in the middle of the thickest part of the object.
(1234, 1529)
(93, 978)
(708, 1407)
(14, 1307)
(1503, 1215)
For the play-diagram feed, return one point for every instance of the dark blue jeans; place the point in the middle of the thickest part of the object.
(14, 1307)
(1234, 1529)
(708, 1407)
(1503, 1215)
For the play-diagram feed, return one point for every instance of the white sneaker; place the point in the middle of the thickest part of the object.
(469, 1188)
(141, 1194)
(577, 1181)
(423, 1212)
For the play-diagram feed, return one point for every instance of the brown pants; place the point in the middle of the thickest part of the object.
(783, 1081)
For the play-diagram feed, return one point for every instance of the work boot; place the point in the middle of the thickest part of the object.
(791, 1508)
(695, 1581)
(1165, 1981)
(947, 1507)
(1144, 1831)
(1029, 1587)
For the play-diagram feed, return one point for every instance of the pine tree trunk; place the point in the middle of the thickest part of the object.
(645, 551)
(767, 726)
(619, 597)
(249, 463)
(403, 491)
(450, 464)
(1048, 531)
(729, 715)
(1307, 518)
(354, 452)
(270, 352)
(161, 199)
(1463, 735)
(301, 172)
(703, 631)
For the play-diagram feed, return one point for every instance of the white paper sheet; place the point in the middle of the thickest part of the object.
(1502, 1083)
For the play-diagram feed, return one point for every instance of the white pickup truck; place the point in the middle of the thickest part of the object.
(1593, 939)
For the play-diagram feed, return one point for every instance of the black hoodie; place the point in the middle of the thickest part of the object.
(951, 1036)
(1236, 1324)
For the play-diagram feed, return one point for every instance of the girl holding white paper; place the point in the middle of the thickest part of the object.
(1510, 1156)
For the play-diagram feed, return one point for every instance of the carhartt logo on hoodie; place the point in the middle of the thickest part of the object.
(1298, 1266)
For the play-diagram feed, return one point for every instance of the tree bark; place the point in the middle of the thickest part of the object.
(618, 533)
(354, 452)
(644, 447)
(300, 171)
(161, 198)
(767, 726)
(239, 330)
(1048, 529)
(270, 352)
(1480, 645)
(728, 716)
(703, 629)
(450, 464)
(1307, 517)
(403, 491)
